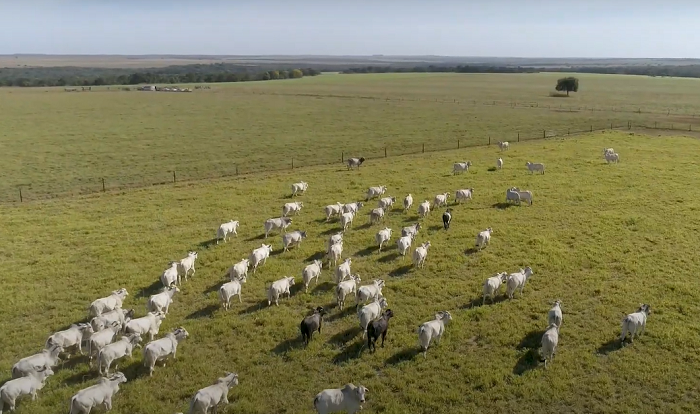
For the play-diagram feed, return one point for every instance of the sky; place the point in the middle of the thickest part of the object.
(508, 28)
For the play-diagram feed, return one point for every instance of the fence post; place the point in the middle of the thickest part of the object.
(544, 133)
(342, 156)
(489, 139)
(292, 163)
(568, 131)
(611, 125)
(174, 177)
(103, 184)
(423, 147)
(385, 151)
(591, 128)
(518, 136)
(20, 195)
(457, 144)
(236, 169)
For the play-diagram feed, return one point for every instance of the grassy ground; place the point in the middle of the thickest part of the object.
(54, 142)
(602, 238)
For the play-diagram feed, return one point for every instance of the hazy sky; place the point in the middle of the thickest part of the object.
(522, 28)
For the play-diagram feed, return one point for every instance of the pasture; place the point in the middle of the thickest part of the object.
(55, 143)
(602, 238)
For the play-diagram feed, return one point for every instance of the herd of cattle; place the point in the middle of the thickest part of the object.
(113, 332)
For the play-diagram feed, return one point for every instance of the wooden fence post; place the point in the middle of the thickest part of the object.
(518, 136)
(423, 148)
(174, 177)
(544, 133)
(568, 131)
(457, 144)
(342, 156)
(489, 139)
(103, 184)
(611, 125)
(236, 169)
(385, 151)
(20, 195)
(591, 128)
(292, 163)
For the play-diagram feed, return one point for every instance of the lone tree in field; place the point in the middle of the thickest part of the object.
(569, 84)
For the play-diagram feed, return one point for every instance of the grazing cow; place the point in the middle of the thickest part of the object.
(109, 303)
(333, 210)
(346, 220)
(186, 265)
(382, 237)
(612, 157)
(375, 192)
(259, 256)
(100, 339)
(386, 203)
(239, 270)
(353, 207)
(447, 218)
(493, 285)
(378, 328)
(29, 385)
(312, 323)
(512, 195)
(294, 207)
(370, 292)
(459, 167)
(169, 276)
(299, 188)
(226, 229)
(376, 215)
(550, 340)
(424, 209)
(407, 202)
(311, 272)
(554, 315)
(47, 357)
(149, 324)
(441, 200)
(99, 394)
(608, 151)
(73, 336)
(411, 230)
(161, 348)
(293, 239)
(499, 163)
(503, 145)
(335, 238)
(534, 167)
(280, 223)
(120, 348)
(463, 195)
(404, 244)
(370, 312)
(343, 270)
(355, 162)
(229, 290)
(523, 194)
(279, 288)
(420, 254)
(160, 302)
(347, 399)
(345, 288)
(335, 253)
(483, 238)
(635, 323)
(208, 398)
(432, 330)
(118, 315)
(517, 281)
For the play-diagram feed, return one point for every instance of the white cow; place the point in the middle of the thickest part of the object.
(299, 188)
(375, 192)
(47, 357)
(503, 145)
(149, 324)
(101, 338)
(346, 220)
(259, 256)
(441, 200)
(99, 394)
(106, 304)
(499, 163)
(120, 348)
(161, 301)
(333, 210)
(612, 157)
(461, 167)
(608, 151)
(432, 330)
(294, 207)
(73, 336)
(523, 194)
(226, 229)
(347, 399)
(370, 292)
(386, 203)
(635, 323)
(208, 398)
(335, 238)
(279, 288)
(118, 315)
(493, 285)
(407, 202)
(550, 340)
(512, 195)
(238, 270)
(483, 238)
(230, 289)
(463, 195)
(517, 281)
(311, 272)
(382, 237)
(186, 265)
(170, 275)
(335, 253)
(292, 239)
(355, 162)
(343, 270)
(345, 288)
(353, 207)
(420, 254)
(554, 315)
(376, 215)
(411, 230)
(159, 349)
(280, 223)
(29, 385)
(404, 244)
(424, 209)
(537, 166)
(370, 312)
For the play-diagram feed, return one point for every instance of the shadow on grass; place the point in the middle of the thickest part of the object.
(215, 287)
(341, 338)
(389, 257)
(401, 270)
(349, 309)
(207, 243)
(531, 340)
(435, 228)
(323, 288)
(492, 169)
(470, 251)
(277, 252)
(254, 307)
(205, 312)
(411, 219)
(503, 206)
(477, 302)
(330, 231)
(367, 251)
(155, 287)
(84, 376)
(610, 346)
(529, 361)
(76, 360)
(364, 226)
(258, 237)
(406, 354)
(287, 345)
(349, 353)
(316, 256)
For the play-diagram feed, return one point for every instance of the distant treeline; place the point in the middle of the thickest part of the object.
(78, 76)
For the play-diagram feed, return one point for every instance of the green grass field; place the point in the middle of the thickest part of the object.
(55, 143)
(602, 238)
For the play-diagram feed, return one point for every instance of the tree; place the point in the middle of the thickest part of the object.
(266, 76)
(569, 84)
(296, 73)
(275, 74)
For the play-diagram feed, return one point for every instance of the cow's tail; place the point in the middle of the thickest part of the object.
(192, 401)
(316, 403)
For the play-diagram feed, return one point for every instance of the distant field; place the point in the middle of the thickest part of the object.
(602, 238)
(53, 142)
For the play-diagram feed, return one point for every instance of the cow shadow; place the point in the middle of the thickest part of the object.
(133, 370)
(76, 360)
(366, 251)
(214, 288)
(389, 257)
(83, 376)
(323, 288)
(435, 228)
(363, 226)
(411, 219)
(253, 308)
(258, 237)
(278, 252)
(322, 221)
(528, 361)
(406, 354)
(155, 287)
(316, 256)
(608, 347)
(296, 288)
(207, 243)
(287, 345)
(470, 251)
(205, 312)
(502, 206)
(492, 169)
(476, 302)
(349, 353)
(330, 231)
(349, 309)
(531, 340)
(341, 338)
(401, 270)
